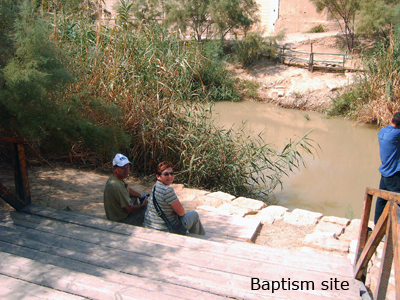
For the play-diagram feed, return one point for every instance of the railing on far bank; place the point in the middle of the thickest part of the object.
(387, 226)
(20, 176)
(311, 59)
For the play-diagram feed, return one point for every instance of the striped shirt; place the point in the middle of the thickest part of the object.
(165, 196)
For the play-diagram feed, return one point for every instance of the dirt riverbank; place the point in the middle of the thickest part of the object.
(294, 87)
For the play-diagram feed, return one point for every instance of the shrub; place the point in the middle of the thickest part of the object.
(375, 97)
(317, 29)
(253, 46)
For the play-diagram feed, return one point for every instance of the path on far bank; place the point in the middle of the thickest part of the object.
(295, 87)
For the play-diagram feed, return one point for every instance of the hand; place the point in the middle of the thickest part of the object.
(144, 196)
(144, 203)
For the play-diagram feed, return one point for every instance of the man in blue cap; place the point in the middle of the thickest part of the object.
(118, 204)
(389, 146)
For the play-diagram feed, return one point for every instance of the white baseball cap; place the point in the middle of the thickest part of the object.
(120, 160)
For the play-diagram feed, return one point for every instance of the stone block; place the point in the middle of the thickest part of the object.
(302, 217)
(214, 210)
(235, 210)
(351, 257)
(222, 196)
(311, 250)
(336, 229)
(353, 228)
(271, 213)
(336, 220)
(325, 241)
(353, 246)
(255, 205)
(211, 201)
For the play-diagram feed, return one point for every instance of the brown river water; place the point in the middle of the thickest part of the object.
(334, 181)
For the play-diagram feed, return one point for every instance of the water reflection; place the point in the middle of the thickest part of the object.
(334, 181)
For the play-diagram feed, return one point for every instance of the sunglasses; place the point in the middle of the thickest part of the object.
(167, 174)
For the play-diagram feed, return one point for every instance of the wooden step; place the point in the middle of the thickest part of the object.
(215, 224)
(16, 289)
(122, 253)
(258, 251)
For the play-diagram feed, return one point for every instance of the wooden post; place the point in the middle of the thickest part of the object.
(21, 174)
(386, 261)
(20, 177)
(364, 225)
(311, 60)
(372, 244)
(396, 249)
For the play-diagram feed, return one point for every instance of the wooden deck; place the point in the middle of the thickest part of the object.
(51, 254)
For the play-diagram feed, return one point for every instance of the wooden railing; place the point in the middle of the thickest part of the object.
(312, 59)
(388, 226)
(20, 176)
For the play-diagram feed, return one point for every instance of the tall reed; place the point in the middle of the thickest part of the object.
(375, 97)
(146, 92)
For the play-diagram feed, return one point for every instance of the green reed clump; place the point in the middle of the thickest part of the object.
(375, 97)
(161, 83)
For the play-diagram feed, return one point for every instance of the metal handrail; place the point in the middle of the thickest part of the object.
(311, 60)
(386, 225)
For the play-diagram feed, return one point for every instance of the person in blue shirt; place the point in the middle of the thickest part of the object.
(389, 148)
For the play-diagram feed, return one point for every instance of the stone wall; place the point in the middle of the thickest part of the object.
(299, 16)
(276, 15)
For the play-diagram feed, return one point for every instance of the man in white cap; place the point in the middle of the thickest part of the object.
(118, 204)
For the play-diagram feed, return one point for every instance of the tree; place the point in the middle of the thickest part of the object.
(378, 17)
(211, 18)
(344, 11)
(38, 101)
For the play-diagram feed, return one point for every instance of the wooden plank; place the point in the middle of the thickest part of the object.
(178, 270)
(10, 140)
(93, 287)
(362, 240)
(213, 281)
(392, 196)
(143, 285)
(162, 240)
(160, 269)
(372, 244)
(216, 262)
(259, 253)
(228, 225)
(396, 249)
(80, 219)
(15, 289)
(386, 262)
(144, 233)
